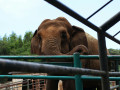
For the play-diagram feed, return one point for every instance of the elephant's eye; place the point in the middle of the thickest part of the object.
(63, 35)
(39, 37)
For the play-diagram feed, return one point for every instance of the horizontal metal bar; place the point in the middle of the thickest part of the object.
(36, 77)
(113, 57)
(78, 17)
(99, 9)
(84, 77)
(38, 57)
(21, 66)
(111, 22)
(114, 74)
(59, 57)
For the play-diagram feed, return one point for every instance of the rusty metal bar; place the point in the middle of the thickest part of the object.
(21, 66)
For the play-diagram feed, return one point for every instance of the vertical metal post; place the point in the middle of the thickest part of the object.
(117, 70)
(28, 84)
(103, 60)
(78, 80)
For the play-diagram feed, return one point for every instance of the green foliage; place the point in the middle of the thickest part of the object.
(4, 48)
(15, 45)
(114, 51)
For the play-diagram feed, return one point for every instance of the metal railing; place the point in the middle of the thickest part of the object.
(101, 31)
(9, 65)
(77, 70)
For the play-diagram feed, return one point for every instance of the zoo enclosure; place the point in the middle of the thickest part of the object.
(101, 36)
(11, 65)
(102, 48)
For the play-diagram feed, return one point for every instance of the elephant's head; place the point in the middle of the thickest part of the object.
(57, 37)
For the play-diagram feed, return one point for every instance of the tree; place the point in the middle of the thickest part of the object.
(27, 37)
(5, 39)
(114, 51)
(27, 42)
(19, 42)
(4, 48)
(15, 45)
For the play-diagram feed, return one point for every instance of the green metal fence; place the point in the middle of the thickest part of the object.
(77, 64)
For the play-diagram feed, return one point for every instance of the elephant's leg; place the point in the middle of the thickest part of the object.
(52, 85)
(69, 85)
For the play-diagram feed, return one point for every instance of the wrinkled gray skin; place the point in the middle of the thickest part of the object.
(58, 37)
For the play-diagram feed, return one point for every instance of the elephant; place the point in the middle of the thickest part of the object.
(59, 37)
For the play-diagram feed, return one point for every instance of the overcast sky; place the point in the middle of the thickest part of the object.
(20, 16)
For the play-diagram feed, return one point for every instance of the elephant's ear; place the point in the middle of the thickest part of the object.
(35, 43)
(78, 37)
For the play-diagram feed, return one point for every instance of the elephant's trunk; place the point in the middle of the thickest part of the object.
(54, 50)
(50, 46)
(80, 48)
(53, 47)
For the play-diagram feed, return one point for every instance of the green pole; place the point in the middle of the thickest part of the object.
(77, 64)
